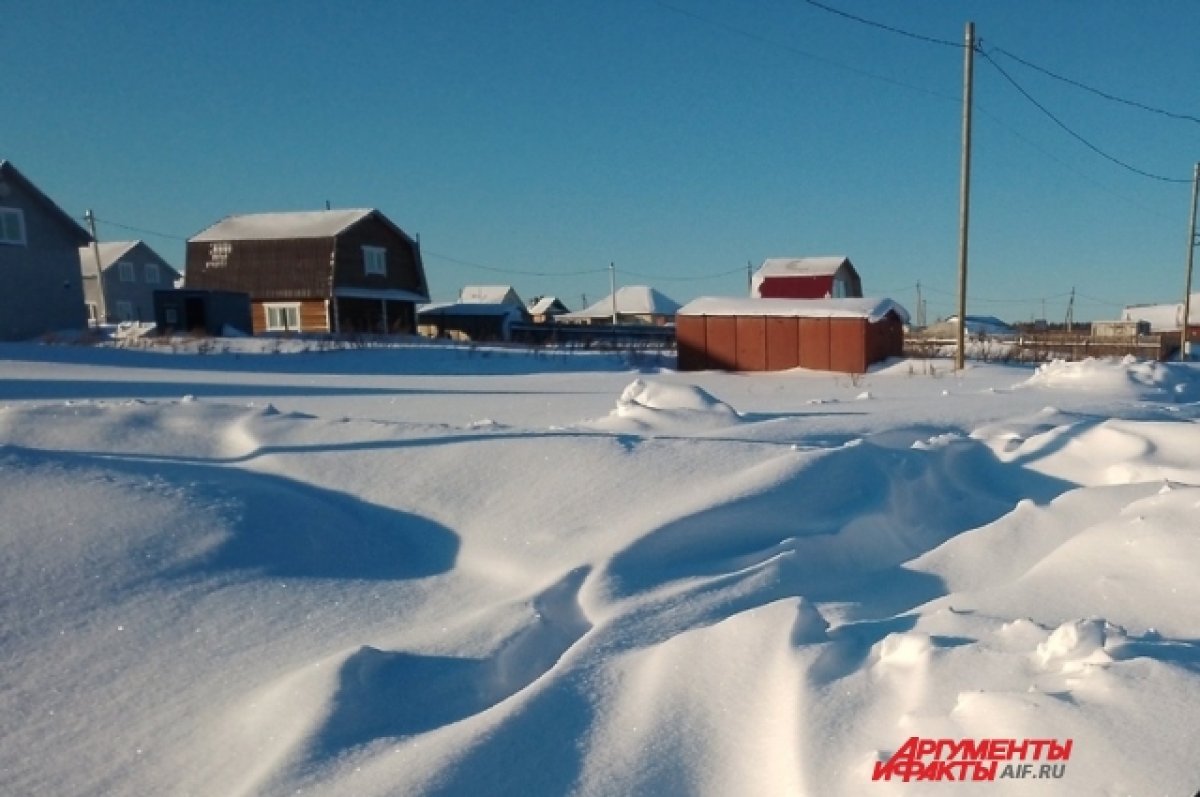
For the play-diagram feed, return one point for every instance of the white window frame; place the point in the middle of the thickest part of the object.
(125, 310)
(151, 273)
(126, 272)
(375, 260)
(284, 313)
(12, 227)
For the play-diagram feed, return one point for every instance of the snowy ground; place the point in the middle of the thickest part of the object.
(435, 571)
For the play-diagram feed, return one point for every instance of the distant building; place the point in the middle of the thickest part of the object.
(341, 271)
(1164, 317)
(132, 272)
(490, 294)
(202, 312)
(806, 278)
(41, 288)
(633, 304)
(978, 326)
(544, 309)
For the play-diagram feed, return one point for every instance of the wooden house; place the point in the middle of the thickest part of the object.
(544, 309)
(339, 271)
(41, 289)
(806, 278)
(130, 272)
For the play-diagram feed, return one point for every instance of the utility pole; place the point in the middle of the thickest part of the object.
(1071, 311)
(964, 213)
(749, 279)
(920, 306)
(101, 304)
(1184, 344)
(612, 280)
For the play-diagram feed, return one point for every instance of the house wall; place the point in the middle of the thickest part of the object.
(795, 287)
(768, 343)
(276, 270)
(210, 312)
(313, 317)
(139, 293)
(404, 270)
(41, 287)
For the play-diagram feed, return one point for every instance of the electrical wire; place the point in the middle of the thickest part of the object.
(694, 278)
(882, 26)
(804, 53)
(135, 229)
(1071, 132)
(1098, 92)
(496, 270)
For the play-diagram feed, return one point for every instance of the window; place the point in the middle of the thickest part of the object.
(375, 260)
(93, 313)
(283, 317)
(171, 315)
(12, 226)
(124, 311)
(151, 273)
(126, 270)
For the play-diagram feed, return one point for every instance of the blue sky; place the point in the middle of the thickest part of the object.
(678, 139)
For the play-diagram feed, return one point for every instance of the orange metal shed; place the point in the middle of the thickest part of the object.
(845, 335)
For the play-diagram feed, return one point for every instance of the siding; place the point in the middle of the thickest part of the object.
(276, 270)
(41, 287)
(403, 269)
(312, 315)
(770, 343)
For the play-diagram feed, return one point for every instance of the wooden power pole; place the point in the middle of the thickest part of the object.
(1187, 284)
(964, 213)
(101, 305)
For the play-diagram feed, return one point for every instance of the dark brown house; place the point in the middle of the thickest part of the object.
(844, 335)
(341, 271)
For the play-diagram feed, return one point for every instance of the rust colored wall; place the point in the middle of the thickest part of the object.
(814, 343)
(783, 343)
(848, 345)
(751, 343)
(795, 287)
(691, 342)
(722, 342)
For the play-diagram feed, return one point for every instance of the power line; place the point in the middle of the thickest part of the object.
(882, 26)
(804, 53)
(1071, 132)
(496, 270)
(695, 278)
(138, 229)
(1098, 92)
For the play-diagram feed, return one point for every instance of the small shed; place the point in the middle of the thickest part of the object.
(806, 278)
(469, 321)
(200, 311)
(845, 335)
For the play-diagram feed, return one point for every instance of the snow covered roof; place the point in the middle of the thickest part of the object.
(271, 226)
(801, 266)
(545, 304)
(870, 309)
(631, 300)
(468, 309)
(489, 294)
(110, 252)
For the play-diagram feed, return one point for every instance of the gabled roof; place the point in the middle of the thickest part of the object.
(631, 300)
(10, 173)
(545, 304)
(275, 226)
(870, 309)
(111, 252)
(801, 266)
(489, 294)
